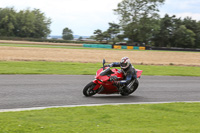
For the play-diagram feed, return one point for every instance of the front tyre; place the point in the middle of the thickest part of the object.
(88, 90)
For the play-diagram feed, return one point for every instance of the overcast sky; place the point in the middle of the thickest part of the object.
(85, 16)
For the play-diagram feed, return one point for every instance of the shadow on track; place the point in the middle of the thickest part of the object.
(116, 98)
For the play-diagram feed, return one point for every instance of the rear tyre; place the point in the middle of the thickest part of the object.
(88, 90)
(124, 93)
(132, 89)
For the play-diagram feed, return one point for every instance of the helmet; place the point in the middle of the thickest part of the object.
(124, 63)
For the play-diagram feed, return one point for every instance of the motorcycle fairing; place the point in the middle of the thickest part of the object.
(138, 72)
(107, 71)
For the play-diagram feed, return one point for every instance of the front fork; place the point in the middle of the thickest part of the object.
(97, 85)
(98, 88)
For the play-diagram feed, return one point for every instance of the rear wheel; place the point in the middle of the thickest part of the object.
(124, 93)
(132, 89)
(88, 90)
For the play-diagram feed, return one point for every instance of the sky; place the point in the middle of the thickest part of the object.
(83, 17)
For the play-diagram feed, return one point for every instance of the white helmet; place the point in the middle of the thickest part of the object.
(124, 63)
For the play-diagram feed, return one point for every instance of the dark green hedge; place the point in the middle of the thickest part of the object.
(46, 40)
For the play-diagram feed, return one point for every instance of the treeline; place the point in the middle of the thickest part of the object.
(141, 24)
(24, 23)
(177, 32)
(168, 31)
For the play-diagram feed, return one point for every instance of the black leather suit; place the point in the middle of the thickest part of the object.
(129, 73)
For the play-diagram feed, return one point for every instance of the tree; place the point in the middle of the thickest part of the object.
(25, 23)
(168, 25)
(99, 35)
(80, 38)
(113, 31)
(106, 36)
(195, 27)
(41, 24)
(184, 37)
(8, 21)
(175, 32)
(137, 18)
(67, 34)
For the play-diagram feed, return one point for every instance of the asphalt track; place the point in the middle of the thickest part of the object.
(28, 91)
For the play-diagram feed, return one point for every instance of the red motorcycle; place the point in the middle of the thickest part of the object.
(103, 82)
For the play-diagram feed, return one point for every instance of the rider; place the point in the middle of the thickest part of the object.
(128, 71)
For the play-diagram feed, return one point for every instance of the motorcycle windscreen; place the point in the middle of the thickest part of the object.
(106, 72)
(139, 73)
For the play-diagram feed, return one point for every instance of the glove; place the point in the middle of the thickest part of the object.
(110, 65)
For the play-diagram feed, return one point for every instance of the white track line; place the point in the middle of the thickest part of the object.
(40, 108)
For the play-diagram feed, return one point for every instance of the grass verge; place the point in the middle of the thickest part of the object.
(79, 47)
(165, 118)
(74, 68)
(42, 46)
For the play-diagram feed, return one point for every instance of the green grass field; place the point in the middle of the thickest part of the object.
(74, 68)
(146, 118)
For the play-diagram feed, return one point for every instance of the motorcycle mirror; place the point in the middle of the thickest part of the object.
(104, 61)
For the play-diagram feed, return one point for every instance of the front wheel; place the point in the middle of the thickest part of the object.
(88, 90)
